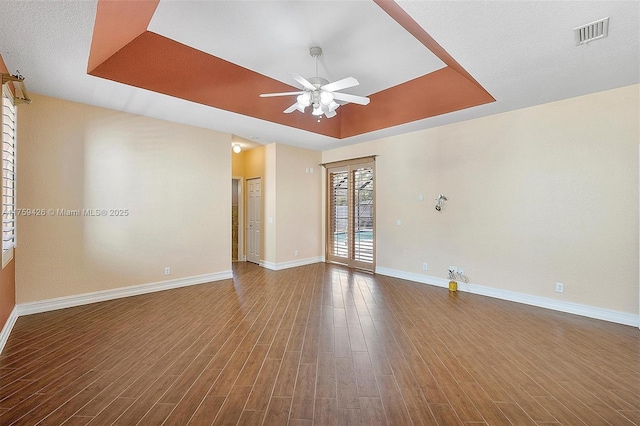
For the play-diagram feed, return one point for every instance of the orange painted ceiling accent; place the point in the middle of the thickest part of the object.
(4, 70)
(122, 50)
(3, 67)
(117, 23)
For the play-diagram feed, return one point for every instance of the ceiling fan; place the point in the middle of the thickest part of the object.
(318, 93)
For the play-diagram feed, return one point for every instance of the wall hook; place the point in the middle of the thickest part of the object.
(440, 202)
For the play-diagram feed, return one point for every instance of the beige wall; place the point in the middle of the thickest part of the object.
(536, 196)
(174, 180)
(254, 162)
(237, 164)
(298, 204)
(269, 202)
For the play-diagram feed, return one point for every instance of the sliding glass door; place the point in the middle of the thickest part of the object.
(351, 213)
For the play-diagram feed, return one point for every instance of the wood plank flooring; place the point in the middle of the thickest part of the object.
(317, 345)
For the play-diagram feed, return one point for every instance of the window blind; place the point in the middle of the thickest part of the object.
(363, 214)
(8, 170)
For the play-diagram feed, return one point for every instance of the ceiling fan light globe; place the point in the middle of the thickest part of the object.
(317, 110)
(304, 99)
(333, 105)
(326, 98)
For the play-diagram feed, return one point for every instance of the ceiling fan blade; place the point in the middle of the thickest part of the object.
(345, 83)
(271, 95)
(360, 100)
(291, 108)
(305, 83)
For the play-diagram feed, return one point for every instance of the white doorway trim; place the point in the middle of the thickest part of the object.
(241, 255)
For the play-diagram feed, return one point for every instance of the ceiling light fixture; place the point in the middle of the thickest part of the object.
(318, 93)
(237, 148)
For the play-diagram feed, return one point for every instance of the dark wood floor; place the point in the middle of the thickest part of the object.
(317, 345)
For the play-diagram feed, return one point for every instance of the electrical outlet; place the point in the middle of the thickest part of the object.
(295, 253)
(421, 198)
(461, 271)
(167, 270)
(399, 222)
(425, 266)
(559, 287)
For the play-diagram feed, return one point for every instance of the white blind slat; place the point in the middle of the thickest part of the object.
(363, 214)
(8, 171)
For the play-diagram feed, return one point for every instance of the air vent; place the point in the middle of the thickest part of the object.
(593, 31)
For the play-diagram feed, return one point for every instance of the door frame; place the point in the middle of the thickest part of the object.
(349, 166)
(329, 231)
(241, 256)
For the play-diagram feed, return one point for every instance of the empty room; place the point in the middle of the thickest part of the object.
(320, 212)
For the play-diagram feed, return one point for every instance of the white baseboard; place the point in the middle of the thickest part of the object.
(268, 265)
(291, 264)
(117, 293)
(8, 326)
(409, 276)
(542, 302)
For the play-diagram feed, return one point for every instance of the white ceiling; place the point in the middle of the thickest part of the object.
(522, 52)
(367, 45)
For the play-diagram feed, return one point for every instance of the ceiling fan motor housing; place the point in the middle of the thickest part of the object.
(315, 51)
(318, 81)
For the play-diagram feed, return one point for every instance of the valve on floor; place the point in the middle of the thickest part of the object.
(453, 285)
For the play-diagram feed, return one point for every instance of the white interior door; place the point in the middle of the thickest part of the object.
(254, 223)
